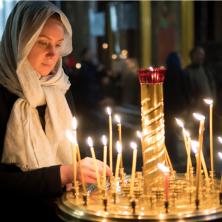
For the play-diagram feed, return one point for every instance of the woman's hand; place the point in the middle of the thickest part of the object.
(88, 170)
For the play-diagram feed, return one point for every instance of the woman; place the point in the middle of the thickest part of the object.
(35, 108)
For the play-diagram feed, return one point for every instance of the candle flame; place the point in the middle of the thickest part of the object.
(108, 110)
(163, 168)
(150, 68)
(90, 141)
(208, 101)
(198, 116)
(220, 155)
(219, 139)
(179, 122)
(117, 118)
(187, 133)
(74, 123)
(133, 145)
(139, 134)
(104, 140)
(118, 147)
(70, 136)
(194, 146)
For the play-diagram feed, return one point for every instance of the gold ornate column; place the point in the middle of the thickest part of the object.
(145, 21)
(152, 118)
(187, 32)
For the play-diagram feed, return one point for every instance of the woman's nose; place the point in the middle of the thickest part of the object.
(52, 51)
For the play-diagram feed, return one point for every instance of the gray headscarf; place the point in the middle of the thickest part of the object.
(26, 144)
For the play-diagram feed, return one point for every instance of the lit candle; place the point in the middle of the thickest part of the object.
(194, 146)
(166, 171)
(74, 126)
(133, 171)
(139, 135)
(72, 139)
(220, 156)
(90, 143)
(187, 134)
(80, 167)
(210, 103)
(119, 151)
(104, 141)
(109, 112)
(201, 118)
(118, 120)
(180, 124)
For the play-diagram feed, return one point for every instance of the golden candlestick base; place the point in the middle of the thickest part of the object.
(153, 207)
(155, 197)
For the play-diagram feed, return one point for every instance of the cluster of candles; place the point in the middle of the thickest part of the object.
(197, 147)
(72, 137)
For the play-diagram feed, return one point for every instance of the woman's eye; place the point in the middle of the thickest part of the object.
(58, 45)
(43, 44)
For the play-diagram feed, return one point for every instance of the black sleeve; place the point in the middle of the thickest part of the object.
(70, 101)
(43, 182)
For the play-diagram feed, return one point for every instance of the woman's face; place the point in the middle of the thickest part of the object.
(46, 51)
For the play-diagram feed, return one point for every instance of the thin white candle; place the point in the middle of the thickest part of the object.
(71, 137)
(119, 151)
(90, 143)
(210, 103)
(118, 121)
(109, 112)
(195, 146)
(139, 135)
(181, 124)
(201, 118)
(133, 145)
(187, 134)
(104, 141)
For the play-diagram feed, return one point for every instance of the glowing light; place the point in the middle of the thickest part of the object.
(117, 118)
(90, 141)
(150, 68)
(105, 45)
(163, 168)
(109, 110)
(118, 147)
(70, 136)
(179, 122)
(133, 145)
(194, 146)
(78, 65)
(208, 101)
(104, 140)
(187, 133)
(220, 155)
(198, 116)
(219, 139)
(139, 134)
(74, 123)
(114, 56)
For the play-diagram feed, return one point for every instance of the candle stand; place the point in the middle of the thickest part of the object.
(156, 196)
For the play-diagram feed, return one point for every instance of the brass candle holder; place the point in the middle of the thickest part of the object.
(153, 197)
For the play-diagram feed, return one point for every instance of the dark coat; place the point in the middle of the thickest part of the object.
(26, 196)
